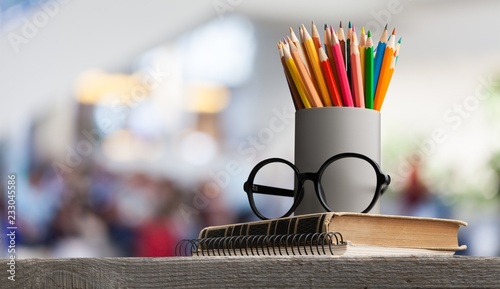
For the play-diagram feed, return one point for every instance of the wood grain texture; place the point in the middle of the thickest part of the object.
(256, 272)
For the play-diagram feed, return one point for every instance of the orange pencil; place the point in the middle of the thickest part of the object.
(385, 83)
(330, 81)
(308, 60)
(385, 71)
(296, 41)
(312, 94)
(297, 102)
(356, 76)
(315, 35)
(387, 80)
(312, 54)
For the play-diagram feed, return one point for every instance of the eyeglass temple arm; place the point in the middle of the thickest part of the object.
(385, 184)
(267, 190)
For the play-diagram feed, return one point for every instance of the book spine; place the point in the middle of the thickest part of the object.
(303, 224)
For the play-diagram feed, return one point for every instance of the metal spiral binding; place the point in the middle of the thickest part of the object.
(262, 245)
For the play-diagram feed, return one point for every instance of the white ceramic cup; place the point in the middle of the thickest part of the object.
(321, 133)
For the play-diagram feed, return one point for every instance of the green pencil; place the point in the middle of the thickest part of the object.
(369, 70)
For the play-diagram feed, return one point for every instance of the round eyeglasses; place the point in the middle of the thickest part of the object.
(275, 186)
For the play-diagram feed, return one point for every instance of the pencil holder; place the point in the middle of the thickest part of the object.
(348, 183)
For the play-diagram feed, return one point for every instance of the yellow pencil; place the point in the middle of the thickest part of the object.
(362, 45)
(311, 91)
(312, 54)
(292, 68)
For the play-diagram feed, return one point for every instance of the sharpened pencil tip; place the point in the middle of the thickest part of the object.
(369, 33)
(340, 24)
(349, 25)
(325, 26)
(386, 26)
(394, 31)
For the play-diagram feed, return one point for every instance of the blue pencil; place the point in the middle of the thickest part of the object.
(379, 56)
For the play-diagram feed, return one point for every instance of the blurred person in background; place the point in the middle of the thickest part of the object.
(158, 234)
(80, 232)
(37, 205)
(417, 198)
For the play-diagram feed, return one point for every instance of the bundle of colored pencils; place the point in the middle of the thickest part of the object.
(340, 72)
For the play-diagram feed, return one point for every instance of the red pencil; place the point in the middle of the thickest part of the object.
(345, 89)
(329, 79)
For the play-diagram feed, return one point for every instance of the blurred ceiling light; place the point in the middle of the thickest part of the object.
(204, 97)
(117, 146)
(124, 146)
(197, 148)
(145, 120)
(221, 51)
(94, 85)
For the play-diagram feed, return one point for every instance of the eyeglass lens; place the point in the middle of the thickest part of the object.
(274, 175)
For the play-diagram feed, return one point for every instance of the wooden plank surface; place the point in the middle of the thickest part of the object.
(256, 272)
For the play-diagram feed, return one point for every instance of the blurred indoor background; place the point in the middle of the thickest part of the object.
(133, 124)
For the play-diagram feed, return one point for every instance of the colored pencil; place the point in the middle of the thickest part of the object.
(315, 35)
(330, 81)
(297, 102)
(297, 80)
(347, 57)
(357, 79)
(362, 45)
(345, 90)
(379, 55)
(392, 67)
(312, 54)
(312, 94)
(328, 49)
(385, 84)
(369, 85)
(341, 37)
(296, 41)
(326, 38)
(398, 45)
(384, 71)
(308, 61)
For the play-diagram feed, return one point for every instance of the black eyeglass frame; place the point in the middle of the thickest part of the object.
(250, 188)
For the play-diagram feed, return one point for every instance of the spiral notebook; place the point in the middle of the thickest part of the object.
(336, 234)
(319, 244)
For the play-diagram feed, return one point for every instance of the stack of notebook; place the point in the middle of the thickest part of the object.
(336, 234)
